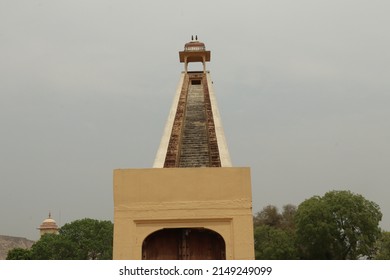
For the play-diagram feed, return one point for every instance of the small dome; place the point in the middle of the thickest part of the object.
(48, 223)
(194, 46)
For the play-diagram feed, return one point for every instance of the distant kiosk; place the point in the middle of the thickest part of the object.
(48, 226)
(193, 205)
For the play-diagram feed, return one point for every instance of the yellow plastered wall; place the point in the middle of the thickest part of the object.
(147, 200)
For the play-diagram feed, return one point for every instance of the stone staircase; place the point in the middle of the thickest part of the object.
(194, 150)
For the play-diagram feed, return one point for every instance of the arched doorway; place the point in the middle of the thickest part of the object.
(184, 244)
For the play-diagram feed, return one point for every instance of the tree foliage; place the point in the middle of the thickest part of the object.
(383, 246)
(274, 233)
(270, 216)
(19, 254)
(288, 214)
(53, 247)
(92, 238)
(339, 225)
(274, 244)
(85, 239)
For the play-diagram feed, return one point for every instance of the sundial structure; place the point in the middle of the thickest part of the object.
(192, 204)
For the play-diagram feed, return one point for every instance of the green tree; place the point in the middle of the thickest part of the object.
(269, 216)
(339, 225)
(274, 233)
(53, 247)
(85, 239)
(383, 252)
(92, 238)
(288, 214)
(19, 254)
(274, 244)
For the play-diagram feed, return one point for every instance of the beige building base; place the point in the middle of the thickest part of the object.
(149, 200)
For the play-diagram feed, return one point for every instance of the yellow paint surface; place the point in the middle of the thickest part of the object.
(147, 200)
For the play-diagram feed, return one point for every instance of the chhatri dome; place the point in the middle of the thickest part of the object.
(194, 51)
(48, 225)
(194, 45)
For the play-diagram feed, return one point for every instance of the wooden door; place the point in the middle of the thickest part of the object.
(204, 244)
(184, 244)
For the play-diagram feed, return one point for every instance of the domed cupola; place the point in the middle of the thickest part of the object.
(194, 51)
(48, 225)
(194, 46)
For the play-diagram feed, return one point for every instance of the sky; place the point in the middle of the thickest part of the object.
(303, 89)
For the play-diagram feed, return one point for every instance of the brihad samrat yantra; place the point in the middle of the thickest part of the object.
(192, 205)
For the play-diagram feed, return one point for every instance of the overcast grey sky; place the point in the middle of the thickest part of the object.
(303, 88)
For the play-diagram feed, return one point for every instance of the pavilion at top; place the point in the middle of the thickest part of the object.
(194, 51)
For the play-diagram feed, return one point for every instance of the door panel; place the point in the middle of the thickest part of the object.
(162, 245)
(184, 244)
